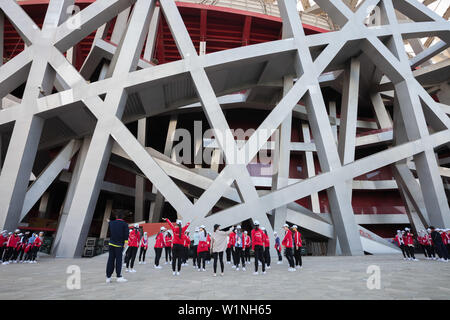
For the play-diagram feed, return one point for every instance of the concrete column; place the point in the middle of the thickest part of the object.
(151, 37)
(381, 114)
(310, 167)
(333, 114)
(120, 26)
(139, 200)
(43, 205)
(282, 157)
(202, 48)
(106, 217)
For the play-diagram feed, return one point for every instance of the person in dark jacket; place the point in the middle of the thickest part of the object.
(118, 229)
(439, 244)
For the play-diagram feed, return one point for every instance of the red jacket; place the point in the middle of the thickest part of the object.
(3, 240)
(429, 241)
(257, 238)
(298, 239)
(144, 243)
(287, 240)
(12, 241)
(246, 241)
(159, 240)
(208, 241)
(37, 242)
(176, 233)
(444, 237)
(133, 238)
(168, 241)
(266, 241)
(28, 247)
(187, 241)
(231, 240)
(202, 246)
(408, 239)
(397, 239)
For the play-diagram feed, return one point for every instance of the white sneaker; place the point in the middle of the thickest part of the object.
(259, 264)
(133, 270)
(108, 280)
(233, 267)
(264, 272)
(215, 275)
(279, 262)
(243, 269)
(15, 261)
(165, 262)
(178, 273)
(6, 262)
(144, 262)
(207, 262)
(121, 279)
(203, 270)
(301, 267)
(199, 269)
(416, 259)
(221, 274)
(268, 267)
(445, 260)
(237, 269)
(154, 266)
(228, 262)
(174, 273)
(140, 262)
(34, 261)
(255, 273)
(127, 270)
(124, 264)
(159, 267)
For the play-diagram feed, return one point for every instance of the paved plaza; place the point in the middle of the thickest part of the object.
(320, 278)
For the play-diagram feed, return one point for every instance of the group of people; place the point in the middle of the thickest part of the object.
(235, 243)
(18, 247)
(432, 241)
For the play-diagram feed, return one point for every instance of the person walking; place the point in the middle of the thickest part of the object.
(439, 244)
(278, 247)
(288, 244)
(297, 247)
(133, 244)
(118, 230)
(202, 248)
(218, 246)
(159, 245)
(267, 258)
(178, 244)
(247, 243)
(409, 242)
(258, 247)
(401, 243)
(239, 248)
(143, 248)
(230, 248)
(168, 247)
(195, 248)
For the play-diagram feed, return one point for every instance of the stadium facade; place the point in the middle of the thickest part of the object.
(225, 112)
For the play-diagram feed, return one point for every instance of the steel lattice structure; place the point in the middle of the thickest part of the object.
(420, 123)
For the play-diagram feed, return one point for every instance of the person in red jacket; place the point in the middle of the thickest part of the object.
(187, 244)
(266, 248)
(230, 248)
(297, 247)
(36, 246)
(447, 231)
(11, 245)
(168, 247)
(202, 248)
(409, 242)
(401, 243)
(288, 244)
(430, 245)
(178, 244)
(143, 248)
(208, 253)
(258, 247)
(421, 239)
(159, 245)
(247, 242)
(3, 240)
(133, 245)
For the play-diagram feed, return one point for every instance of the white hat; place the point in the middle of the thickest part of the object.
(17, 230)
(294, 226)
(203, 227)
(285, 225)
(238, 226)
(162, 229)
(398, 231)
(146, 232)
(256, 223)
(4, 231)
(20, 234)
(407, 229)
(275, 232)
(197, 229)
(179, 221)
(9, 233)
(245, 232)
(136, 225)
(428, 229)
(262, 228)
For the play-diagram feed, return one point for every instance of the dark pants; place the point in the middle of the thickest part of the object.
(21, 252)
(298, 257)
(247, 254)
(114, 260)
(279, 255)
(177, 256)
(239, 256)
(131, 252)
(425, 251)
(288, 255)
(2, 251)
(220, 256)
(142, 253)
(267, 256)
(201, 259)
(405, 251)
(186, 254)
(229, 254)
(442, 250)
(8, 254)
(15, 254)
(430, 250)
(411, 251)
(34, 253)
(259, 255)
(196, 257)
(158, 253)
(168, 251)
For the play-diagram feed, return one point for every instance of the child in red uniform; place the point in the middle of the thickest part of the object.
(288, 244)
(266, 248)
(208, 253)
(133, 245)
(3, 240)
(178, 244)
(168, 247)
(187, 244)
(258, 247)
(159, 245)
(230, 248)
(143, 248)
(202, 248)
(247, 243)
(36, 246)
(409, 242)
(297, 247)
(11, 245)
